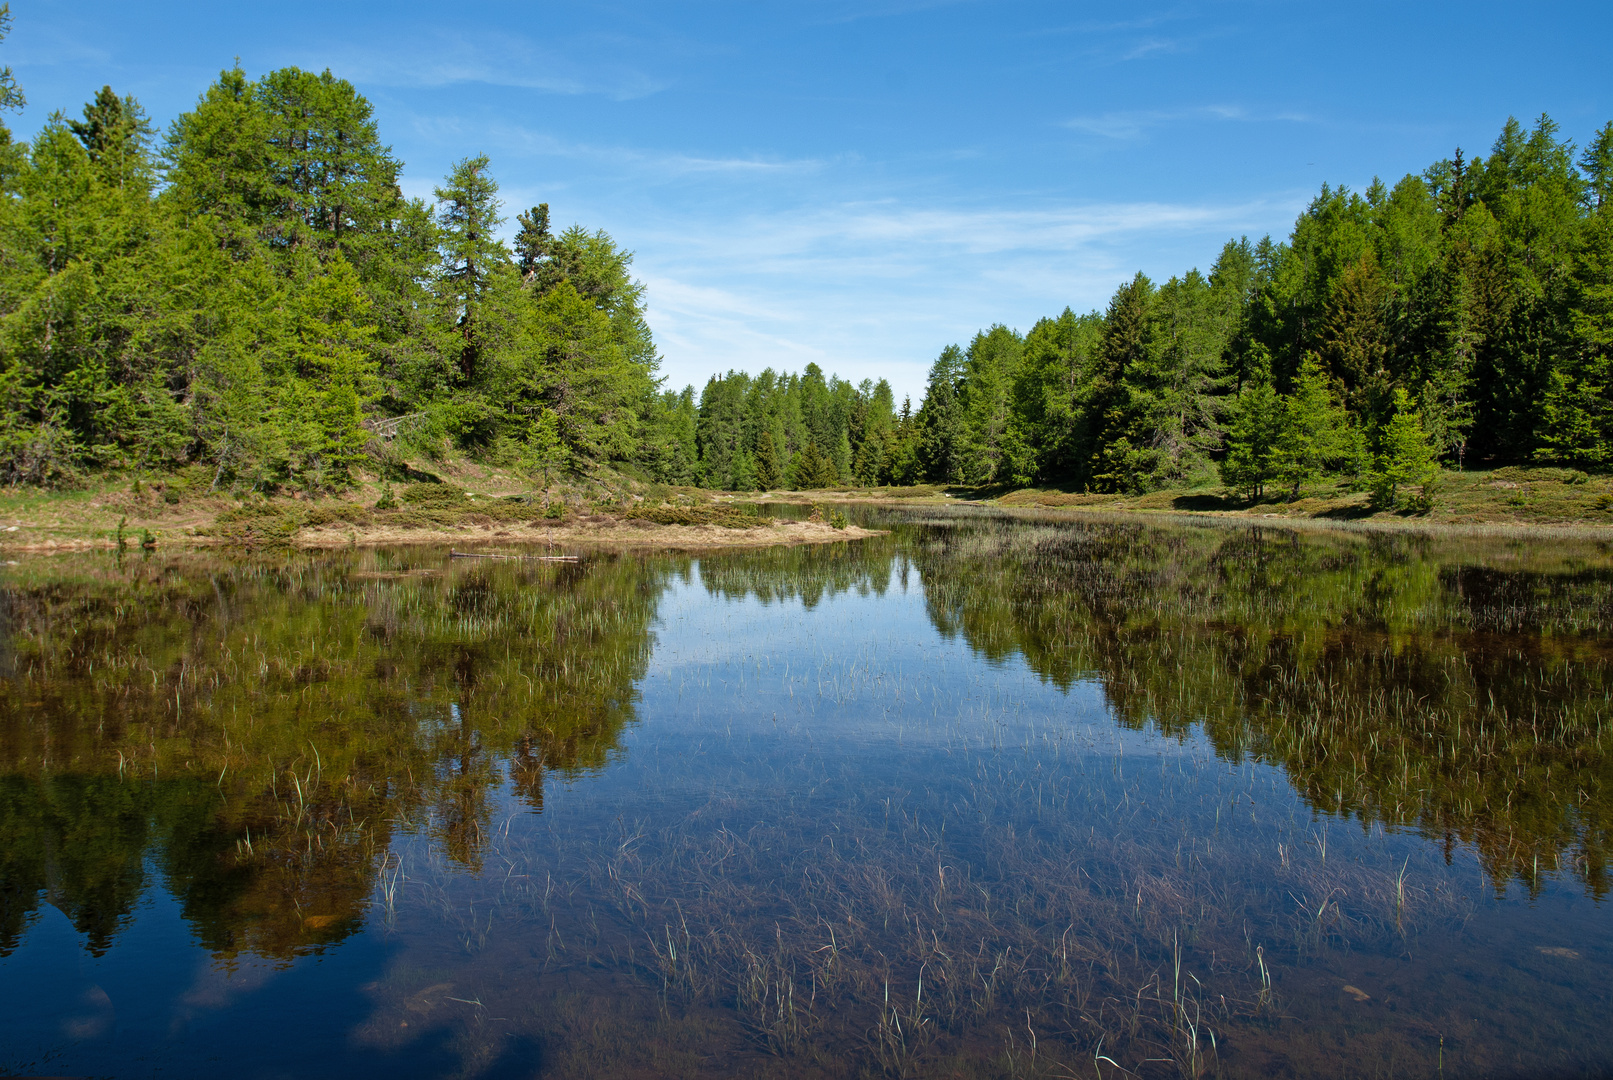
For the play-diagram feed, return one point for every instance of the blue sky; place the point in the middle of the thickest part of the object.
(861, 183)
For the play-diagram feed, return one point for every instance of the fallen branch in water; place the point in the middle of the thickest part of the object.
(522, 558)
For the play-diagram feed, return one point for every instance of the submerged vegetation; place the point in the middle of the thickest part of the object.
(1244, 767)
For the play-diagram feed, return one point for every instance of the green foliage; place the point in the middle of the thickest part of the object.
(814, 470)
(1258, 416)
(752, 431)
(257, 297)
(430, 496)
(1406, 459)
(728, 517)
(768, 474)
(277, 298)
(11, 95)
(941, 432)
(1482, 289)
(1313, 433)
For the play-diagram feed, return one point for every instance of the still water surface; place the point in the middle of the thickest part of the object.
(989, 796)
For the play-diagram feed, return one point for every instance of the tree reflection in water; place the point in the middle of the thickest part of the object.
(829, 856)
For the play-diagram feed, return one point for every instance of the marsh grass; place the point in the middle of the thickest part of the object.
(1510, 496)
(961, 927)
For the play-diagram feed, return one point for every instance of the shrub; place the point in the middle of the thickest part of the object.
(1524, 474)
(433, 496)
(728, 517)
(261, 525)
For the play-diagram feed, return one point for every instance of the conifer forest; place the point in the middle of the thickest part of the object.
(247, 290)
(405, 675)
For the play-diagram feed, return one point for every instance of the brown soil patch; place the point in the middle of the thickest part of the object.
(598, 531)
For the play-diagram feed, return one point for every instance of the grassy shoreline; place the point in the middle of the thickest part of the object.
(474, 505)
(470, 507)
(1510, 498)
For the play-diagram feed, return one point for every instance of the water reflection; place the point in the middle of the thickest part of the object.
(255, 734)
(1460, 688)
(995, 796)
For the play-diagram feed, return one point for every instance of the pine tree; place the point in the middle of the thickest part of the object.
(11, 95)
(940, 426)
(1308, 438)
(814, 470)
(1256, 424)
(743, 477)
(534, 244)
(768, 475)
(1355, 340)
(1107, 416)
(326, 378)
(116, 133)
(1405, 460)
(1597, 162)
(987, 380)
(468, 215)
(1575, 419)
(587, 378)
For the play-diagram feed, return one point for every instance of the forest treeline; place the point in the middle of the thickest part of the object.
(1463, 315)
(249, 294)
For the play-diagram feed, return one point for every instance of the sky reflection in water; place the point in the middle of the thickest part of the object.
(987, 797)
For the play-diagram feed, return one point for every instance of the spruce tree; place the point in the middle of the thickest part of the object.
(1256, 424)
(1576, 417)
(468, 216)
(814, 469)
(940, 434)
(534, 244)
(743, 477)
(768, 474)
(115, 134)
(1309, 434)
(1405, 460)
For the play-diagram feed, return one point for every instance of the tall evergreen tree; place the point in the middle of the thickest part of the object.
(1257, 416)
(1309, 437)
(940, 421)
(468, 215)
(11, 95)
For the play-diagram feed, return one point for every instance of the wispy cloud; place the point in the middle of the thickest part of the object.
(1134, 124)
(871, 289)
(643, 163)
(1087, 28)
(857, 12)
(509, 60)
(1150, 46)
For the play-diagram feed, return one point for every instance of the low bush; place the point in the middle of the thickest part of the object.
(1526, 474)
(728, 517)
(432, 496)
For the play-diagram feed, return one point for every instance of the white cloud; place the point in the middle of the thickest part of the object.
(1131, 125)
(507, 59)
(876, 289)
(1149, 46)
